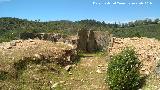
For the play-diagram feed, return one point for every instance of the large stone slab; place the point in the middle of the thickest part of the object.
(98, 40)
(82, 41)
(90, 40)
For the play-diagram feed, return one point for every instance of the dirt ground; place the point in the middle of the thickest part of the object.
(89, 74)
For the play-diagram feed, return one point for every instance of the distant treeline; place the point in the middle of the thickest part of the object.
(10, 28)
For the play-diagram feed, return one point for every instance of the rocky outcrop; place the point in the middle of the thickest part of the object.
(40, 52)
(90, 40)
(54, 37)
(42, 36)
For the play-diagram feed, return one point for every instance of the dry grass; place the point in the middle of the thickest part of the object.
(87, 74)
(152, 82)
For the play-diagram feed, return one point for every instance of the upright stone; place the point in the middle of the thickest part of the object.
(91, 42)
(102, 39)
(98, 40)
(82, 41)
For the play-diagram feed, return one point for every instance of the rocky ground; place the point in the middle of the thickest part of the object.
(45, 65)
(89, 73)
(19, 55)
(39, 65)
(148, 52)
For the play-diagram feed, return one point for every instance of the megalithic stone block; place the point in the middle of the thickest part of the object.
(82, 41)
(90, 40)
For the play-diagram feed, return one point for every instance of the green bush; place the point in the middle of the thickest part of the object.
(123, 71)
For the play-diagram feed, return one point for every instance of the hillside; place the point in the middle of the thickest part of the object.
(47, 61)
(150, 31)
(10, 28)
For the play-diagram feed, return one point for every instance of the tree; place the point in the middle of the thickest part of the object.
(156, 21)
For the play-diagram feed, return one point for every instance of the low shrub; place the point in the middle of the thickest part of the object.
(123, 71)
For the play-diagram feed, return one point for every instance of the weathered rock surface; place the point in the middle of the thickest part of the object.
(90, 40)
(82, 41)
(42, 36)
(54, 37)
(147, 50)
(98, 40)
(70, 40)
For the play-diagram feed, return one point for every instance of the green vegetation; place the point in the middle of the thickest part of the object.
(88, 72)
(123, 71)
(10, 28)
(3, 75)
(50, 76)
(150, 31)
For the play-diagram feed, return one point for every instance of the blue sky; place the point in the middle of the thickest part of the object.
(51, 10)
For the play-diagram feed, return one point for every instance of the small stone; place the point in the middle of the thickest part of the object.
(62, 82)
(99, 71)
(33, 43)
(69, 58)
(70, 73)
(147, 72)
(68, 67)
(13, 43)
(72, 78)
(30, 40)
(37, 56)
(9, 47)
(55, 85)
(50, 82)
(104, 69)
(73, 65)
(100, 65)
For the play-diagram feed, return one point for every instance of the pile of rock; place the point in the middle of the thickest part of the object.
(42, 36)
(25, 51)
(70, 40)
(9, 45)
(147, 50)
(54, 37)
(90, 40)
